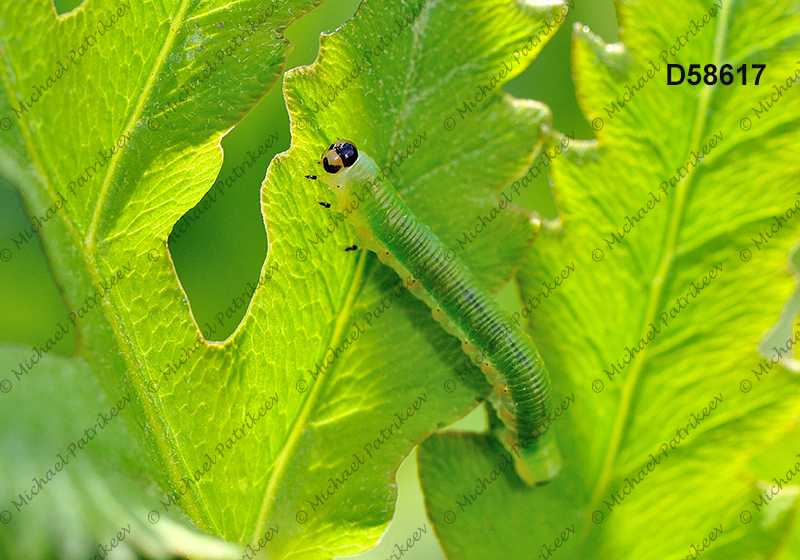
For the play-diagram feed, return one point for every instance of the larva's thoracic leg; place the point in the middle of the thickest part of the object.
(459, 303)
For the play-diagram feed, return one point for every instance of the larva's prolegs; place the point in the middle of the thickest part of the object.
(505, 354)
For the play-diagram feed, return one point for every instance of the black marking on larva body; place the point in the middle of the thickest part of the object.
(324, 204)
(509, 359)
(353, 248)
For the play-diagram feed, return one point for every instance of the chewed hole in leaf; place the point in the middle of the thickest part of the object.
(220, 245)
(66, 6)
(217, 246)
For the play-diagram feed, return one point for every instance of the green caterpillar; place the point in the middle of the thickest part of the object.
(462, 306)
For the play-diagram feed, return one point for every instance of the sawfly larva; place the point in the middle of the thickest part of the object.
(462, 306)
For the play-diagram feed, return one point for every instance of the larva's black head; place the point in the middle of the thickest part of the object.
(340, 155)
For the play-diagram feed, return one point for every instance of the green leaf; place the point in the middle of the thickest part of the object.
(278, 432)
(70, 473)
(629, 417)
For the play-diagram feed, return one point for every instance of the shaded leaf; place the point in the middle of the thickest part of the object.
(70, 473)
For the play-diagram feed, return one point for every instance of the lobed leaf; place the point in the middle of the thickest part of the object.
(653, 329)
(261, 436)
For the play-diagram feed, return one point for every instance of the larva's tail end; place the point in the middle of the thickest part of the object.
(536, 460)
(540, 466)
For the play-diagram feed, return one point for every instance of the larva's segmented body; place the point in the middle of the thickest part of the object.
(462, 306)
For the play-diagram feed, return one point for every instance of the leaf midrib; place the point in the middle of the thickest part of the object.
(668, 254)
(174, 472)
(309, 406)
(90, 245)
(144, 98)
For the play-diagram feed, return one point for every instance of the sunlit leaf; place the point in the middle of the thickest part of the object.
(654, 331)
(269, 428)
